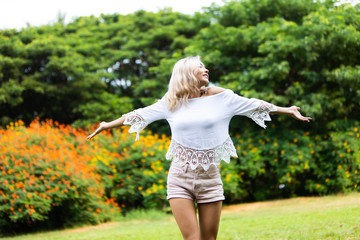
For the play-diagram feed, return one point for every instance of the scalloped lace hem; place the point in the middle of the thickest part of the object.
(136, 122)
(261, 114)
(184, 155)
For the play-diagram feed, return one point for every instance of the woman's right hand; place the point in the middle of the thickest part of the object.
(102, 126)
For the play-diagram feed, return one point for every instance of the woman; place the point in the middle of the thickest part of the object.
(199, 119)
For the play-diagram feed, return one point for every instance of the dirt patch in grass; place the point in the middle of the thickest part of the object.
(261, 205)
(95, 227)
(114, 224)
(315, 202)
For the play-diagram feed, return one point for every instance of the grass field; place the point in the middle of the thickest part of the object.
(330, 217)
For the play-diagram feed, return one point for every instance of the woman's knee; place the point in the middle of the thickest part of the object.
(208, 235)
(194, 236)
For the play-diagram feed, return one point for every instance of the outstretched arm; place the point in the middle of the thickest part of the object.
(107, 125)
(137, 119)
(292, 111)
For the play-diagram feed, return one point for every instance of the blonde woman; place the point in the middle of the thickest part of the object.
(199, 119)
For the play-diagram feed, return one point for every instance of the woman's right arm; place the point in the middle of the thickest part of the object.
(107, 125)
(137, 119)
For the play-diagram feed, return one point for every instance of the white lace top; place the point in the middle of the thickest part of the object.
(200, 128)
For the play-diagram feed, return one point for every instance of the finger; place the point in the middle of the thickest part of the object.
(91, 136)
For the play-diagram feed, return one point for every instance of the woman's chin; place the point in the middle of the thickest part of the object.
(204, 82)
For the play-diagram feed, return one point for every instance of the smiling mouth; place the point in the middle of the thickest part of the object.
(206, 75)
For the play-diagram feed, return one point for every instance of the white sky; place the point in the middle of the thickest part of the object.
(17, 13)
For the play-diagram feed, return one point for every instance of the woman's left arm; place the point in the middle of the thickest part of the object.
(292, 111)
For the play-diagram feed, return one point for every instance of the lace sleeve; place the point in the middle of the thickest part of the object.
(256, 109)
(141, 117)
(261, 113)
(136, 122)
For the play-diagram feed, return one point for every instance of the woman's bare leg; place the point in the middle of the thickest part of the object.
(185, 216)
(209, 218)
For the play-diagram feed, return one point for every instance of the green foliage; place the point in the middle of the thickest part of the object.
(300, 52)
(59, 71)
(103, 108)
(278, 163)
(252, 12)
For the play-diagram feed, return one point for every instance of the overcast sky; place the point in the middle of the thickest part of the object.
(17, 13)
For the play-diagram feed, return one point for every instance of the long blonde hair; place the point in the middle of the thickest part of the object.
(183, 82)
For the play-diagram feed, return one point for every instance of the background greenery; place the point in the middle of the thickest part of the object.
(299, 52)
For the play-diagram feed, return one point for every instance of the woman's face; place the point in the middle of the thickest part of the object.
(202, 75)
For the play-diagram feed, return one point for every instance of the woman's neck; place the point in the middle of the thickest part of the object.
(200, 92)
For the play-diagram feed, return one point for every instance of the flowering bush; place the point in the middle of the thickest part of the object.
(46, 180)
(52, 177)
(135, 173)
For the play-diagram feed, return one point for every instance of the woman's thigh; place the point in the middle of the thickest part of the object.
(209, 218)
(185, 216)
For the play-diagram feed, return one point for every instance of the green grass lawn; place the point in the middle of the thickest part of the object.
(331, 217)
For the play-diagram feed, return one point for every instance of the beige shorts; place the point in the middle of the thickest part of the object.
(200, 185)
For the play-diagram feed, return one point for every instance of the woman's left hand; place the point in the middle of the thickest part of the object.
(294, 112)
